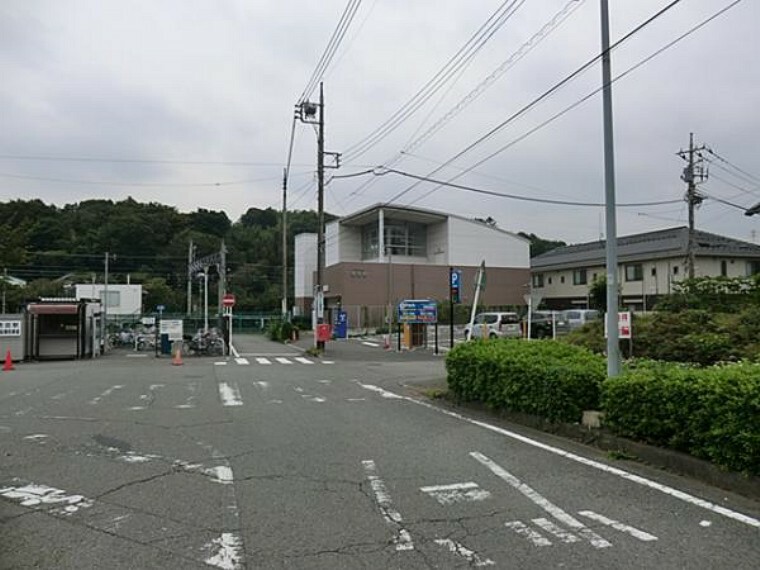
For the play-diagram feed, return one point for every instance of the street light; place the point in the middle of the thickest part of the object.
(753, 210)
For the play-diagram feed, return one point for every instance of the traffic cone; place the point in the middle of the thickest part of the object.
(177, 358)
(8, 366)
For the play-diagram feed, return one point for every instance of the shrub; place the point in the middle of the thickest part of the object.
(546, 378)
(713, 413)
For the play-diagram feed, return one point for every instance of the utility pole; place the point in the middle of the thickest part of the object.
(5, 285)
(613, 346)
(104, 309)
(693, 173)
(190, 258)
(284, 223)
(305, 112)
(222, 268)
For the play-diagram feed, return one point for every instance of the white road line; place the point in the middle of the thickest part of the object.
(551, 528)
(356, 399)
(282, 360)
(303, 360)
(242, 361)
(192, 399)
(525, 531)
(383, 393)
(32, 495)
(666, 489)
(105, 394)
(137, 356)
(262, 360)
(328, 362)
(541, 501)
(456, 493)
(633, 531)
(230, 395)
(262, 384)
(402, 539)
(226, 552)
(220, 364)
(464, 552)
(372, 344)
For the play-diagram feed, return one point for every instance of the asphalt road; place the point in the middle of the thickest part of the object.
(275, 459)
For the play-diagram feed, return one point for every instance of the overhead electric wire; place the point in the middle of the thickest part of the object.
(517, 196)
(577, 103)
(736, 186)
(332, 47)
(416, 140)
(742, 208)
(546, 94)
(471, 47)
(752, 177)
(45, 158)
(138, 184)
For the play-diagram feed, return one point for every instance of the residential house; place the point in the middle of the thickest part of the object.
(648, 266)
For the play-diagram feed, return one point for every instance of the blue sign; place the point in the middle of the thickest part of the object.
(456, 278)
(161, 308)
(340, 326)
(422, 311)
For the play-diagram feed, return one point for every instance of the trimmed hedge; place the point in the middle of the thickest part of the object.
(545, 378)
(712, 413)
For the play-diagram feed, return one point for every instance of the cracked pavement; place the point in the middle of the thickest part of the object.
(279, 480)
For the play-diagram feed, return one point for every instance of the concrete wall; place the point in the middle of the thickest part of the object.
(472, 242)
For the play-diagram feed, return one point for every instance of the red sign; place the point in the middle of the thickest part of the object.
(228, 300)
(324, 332)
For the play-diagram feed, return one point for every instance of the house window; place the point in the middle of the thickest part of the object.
(753, 268)
(562, 279)
(723, 268)
(113, 299)
(550, 280)
(401, 238)
(654, 272)
(675, 270)
(634, 272)
(538, 280)
(370, 244)
(579, 277)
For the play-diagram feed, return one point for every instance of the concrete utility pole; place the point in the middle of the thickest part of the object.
(613, 347)
(104, 308)
(284, 224)
(190, 258)
(5, 285)
(693, 173)
(222, 268)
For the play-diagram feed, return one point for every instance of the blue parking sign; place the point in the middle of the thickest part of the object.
(456, 278)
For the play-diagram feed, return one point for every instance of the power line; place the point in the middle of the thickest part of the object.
(44, 158)
(460, 59)
(752, 177)
(332, 47)
(726, 202)
(517, 196)
(139, 184)
(545, 95)
(577, 103)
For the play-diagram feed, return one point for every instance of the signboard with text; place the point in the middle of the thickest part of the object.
(10, 328)
(173, 328)
(625, 328)
(418, 311)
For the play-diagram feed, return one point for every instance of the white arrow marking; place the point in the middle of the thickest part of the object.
(230, 395)
(464, 552)
(456, 493)
(529, 533)
(403, 540)
(551, 528)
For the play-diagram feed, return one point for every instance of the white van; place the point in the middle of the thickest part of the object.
(576, 318)
(493, 325)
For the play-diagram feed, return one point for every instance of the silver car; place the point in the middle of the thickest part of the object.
(494, 325)
(576, 318)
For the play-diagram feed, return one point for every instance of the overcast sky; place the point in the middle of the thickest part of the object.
(162, 88)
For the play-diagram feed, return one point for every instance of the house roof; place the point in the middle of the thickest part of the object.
(411, 214)
(659, 244)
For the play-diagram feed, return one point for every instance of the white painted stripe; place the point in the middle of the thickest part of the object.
(633, 531)
(456, 493)
(383, 393)
(220, 364)
(303, 360)
(137, 356)
(527, 532)
(234, 351)
(105, 394)
(282, 360)
(403, 540)
(464, 552)
(356, 399)
(551, 528)
(242, 361)
(230, 395)
(372, 344)
(227, 552)
(666, 489)
(328, 362)
(262, 360)
(36, 437)
(32, 495)
(263, 385)
(541, 501)
(221, 474)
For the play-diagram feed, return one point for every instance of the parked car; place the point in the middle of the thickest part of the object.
(541, 325)
(576, 318)
(494, 325)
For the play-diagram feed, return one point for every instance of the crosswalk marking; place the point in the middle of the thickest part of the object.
(303, 360)
(283, 360)
(262, 360)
